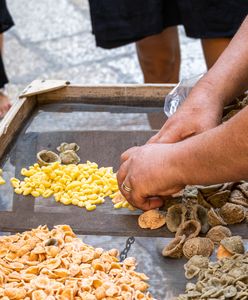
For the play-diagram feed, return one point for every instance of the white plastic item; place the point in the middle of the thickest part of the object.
(176, 97)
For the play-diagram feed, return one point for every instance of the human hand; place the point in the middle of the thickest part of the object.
(151, 172)
(201, 111)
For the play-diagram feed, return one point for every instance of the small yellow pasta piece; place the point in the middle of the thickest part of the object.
(90, 207)
(27, 191)
(92, 197)
(18, 191)
(47, 193)
(118, 205)
(35, 194)
(65, 201)
(75, 201)
(81, 204)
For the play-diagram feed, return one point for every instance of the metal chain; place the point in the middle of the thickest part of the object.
(124, 252)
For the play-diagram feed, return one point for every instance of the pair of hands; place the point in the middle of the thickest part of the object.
(153, 171)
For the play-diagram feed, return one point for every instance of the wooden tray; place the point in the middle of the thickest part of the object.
(43, 118)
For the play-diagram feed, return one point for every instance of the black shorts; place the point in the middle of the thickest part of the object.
(5, 18)
(5, 23)
(119, 22)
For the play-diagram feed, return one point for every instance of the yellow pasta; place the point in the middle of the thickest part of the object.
(84, 185)
(2, 181)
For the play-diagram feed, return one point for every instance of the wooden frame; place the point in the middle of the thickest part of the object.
(50, 91)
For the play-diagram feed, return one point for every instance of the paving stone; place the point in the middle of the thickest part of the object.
(47, 19)
(75, 50)
(91, 74)
(82, 4)
(128, 69)
(192, 59)
(22, 64)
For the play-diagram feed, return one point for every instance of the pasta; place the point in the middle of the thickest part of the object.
(2, 181)
(84, 185)
(55, 264)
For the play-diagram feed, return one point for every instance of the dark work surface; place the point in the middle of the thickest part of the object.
(103, 133)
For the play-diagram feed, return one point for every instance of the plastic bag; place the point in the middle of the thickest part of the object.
(176, 97)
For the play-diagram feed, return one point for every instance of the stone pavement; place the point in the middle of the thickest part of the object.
(52, 39)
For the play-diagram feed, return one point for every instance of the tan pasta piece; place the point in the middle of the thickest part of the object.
(152, 219)
(218, 233)
(232, 213)
(189, 228)
(214, 218)
(198, 246)
(234, 244)
(175, 248)
(176, 215)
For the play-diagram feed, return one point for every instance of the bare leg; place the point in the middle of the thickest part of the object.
(4, 99)
(159, 57)
(212, 49)
(1, 42)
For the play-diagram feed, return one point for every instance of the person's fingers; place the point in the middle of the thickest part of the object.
(151, 203)
(125, 155)
(127, 190)
(153, 139)
(122, 173)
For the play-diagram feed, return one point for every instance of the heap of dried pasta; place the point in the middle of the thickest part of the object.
(42, 264)
(84, 185)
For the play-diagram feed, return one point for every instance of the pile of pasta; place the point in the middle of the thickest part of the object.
(84, 185)
(55, 264)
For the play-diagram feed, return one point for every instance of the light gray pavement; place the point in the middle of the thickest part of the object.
(52, 39)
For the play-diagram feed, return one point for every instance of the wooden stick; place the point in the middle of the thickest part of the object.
(14, 120)
(129, 94)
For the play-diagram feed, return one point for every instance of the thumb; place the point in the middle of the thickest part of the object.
(151, 203)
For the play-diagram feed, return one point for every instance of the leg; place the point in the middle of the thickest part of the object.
(4, 99)
(212, 49)
(1, 42)
(159, 57)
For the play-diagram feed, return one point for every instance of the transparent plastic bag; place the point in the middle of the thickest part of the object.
(176, 97)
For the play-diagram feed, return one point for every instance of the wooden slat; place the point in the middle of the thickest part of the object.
(130, 94)
(42, 86)
(14, 120)
(118, 225)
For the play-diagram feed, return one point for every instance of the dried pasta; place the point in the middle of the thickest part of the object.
(84, 185)
(55, 264)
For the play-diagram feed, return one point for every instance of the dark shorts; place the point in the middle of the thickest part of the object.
(5, 23)
(119, 22)
(5, 18)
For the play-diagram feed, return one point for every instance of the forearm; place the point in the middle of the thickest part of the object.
(228, 77)
(217, 155)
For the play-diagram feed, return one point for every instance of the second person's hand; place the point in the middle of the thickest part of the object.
(201, 111)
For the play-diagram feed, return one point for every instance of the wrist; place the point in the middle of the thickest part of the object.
(173, 166)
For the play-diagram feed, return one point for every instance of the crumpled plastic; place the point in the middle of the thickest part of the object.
(177, 96)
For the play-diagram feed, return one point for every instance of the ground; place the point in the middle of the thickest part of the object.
(53, 39)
